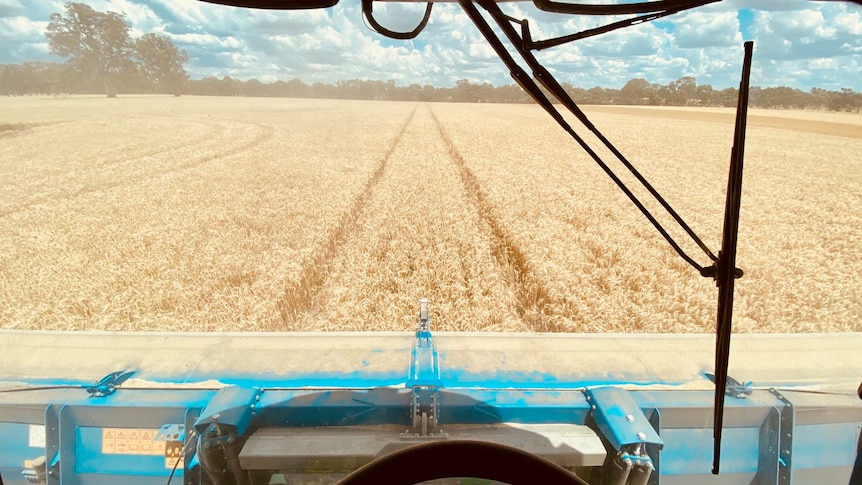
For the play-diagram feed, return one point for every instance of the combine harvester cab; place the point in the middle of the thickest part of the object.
(262, 408)
(312, 408)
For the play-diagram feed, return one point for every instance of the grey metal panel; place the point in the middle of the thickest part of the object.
(813, 408)
(823, 476)
(33, 413)
(707, 479)
(701, 417)
(335, 449)
(693, 409)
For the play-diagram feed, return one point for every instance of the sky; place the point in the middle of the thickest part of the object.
(798, 43)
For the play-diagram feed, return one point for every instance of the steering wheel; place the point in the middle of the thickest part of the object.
(449, 459)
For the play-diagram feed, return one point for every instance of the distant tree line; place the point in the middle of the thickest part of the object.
(104, 58)
(55, 78)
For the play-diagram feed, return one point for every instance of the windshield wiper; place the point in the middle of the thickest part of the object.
(723, 268)
(104, 387)
(726, 266)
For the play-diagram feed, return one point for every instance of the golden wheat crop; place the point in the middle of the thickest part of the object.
(242, 214)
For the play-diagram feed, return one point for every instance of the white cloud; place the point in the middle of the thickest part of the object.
(708, 29)
(23, 38)
(206, 40)
(798, 42)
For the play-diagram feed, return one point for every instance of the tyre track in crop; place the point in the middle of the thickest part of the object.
(298, 297)
(531, 293)
(263, 134)
(140, 150)
(15, 129)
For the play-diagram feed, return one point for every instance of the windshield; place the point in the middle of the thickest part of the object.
(233, 217)
(315, 175)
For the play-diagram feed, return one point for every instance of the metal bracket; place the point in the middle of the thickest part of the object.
(109, 383)
(221, 428)
(232, 406)
(785, 438)
(733, 388)
(424, 411)
(632, 467)
(620, 418)
(424, 370)
(624, 427)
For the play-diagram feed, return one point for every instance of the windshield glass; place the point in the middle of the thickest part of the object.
(314, 175)
(218, 226)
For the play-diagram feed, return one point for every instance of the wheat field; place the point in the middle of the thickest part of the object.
(252, 214)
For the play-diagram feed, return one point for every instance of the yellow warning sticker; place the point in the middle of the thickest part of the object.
(131, 441)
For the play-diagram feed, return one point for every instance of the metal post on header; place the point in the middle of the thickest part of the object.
(726, 271)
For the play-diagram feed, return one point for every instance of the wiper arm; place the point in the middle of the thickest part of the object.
(548, 81)
(106, 385)
(723, 269)
(726, 266)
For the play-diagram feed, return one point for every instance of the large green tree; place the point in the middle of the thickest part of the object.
(162, 62)
(96, 43)
(636, 91)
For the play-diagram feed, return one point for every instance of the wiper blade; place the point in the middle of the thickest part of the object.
(726, 265)
(41, 388)
(106, 385)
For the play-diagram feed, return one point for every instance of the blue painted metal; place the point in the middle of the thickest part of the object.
(73, 440)
(619, 418)
(688, 451)
(108, 384)
(424, 362)
(233, 406)
(824, 445)
(676, 421)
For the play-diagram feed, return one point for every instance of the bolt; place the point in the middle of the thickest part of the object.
(630, 418)
(641, 436)
(216, 416)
